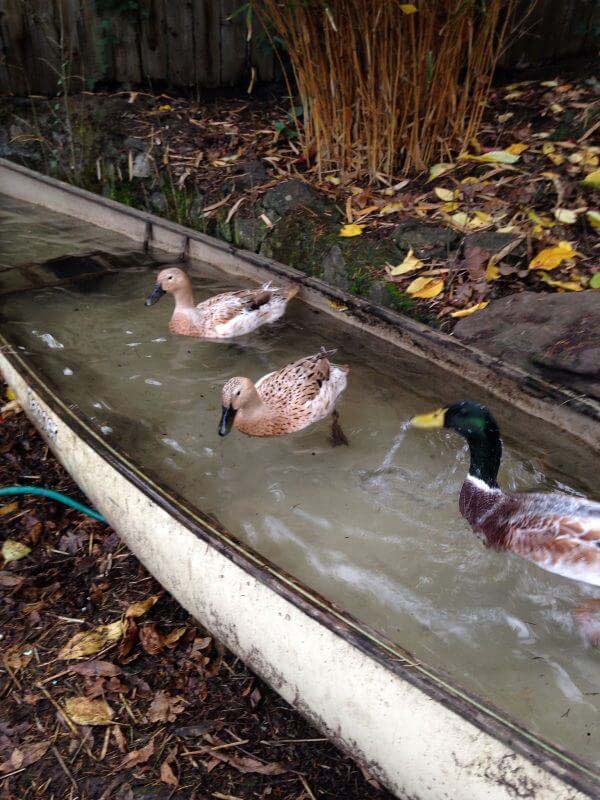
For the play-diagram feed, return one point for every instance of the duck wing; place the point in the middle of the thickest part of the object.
(296, 384)
(558, 532)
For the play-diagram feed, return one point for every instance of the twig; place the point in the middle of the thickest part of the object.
(65, 769)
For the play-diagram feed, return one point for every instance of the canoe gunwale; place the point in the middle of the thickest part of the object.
(433, 683)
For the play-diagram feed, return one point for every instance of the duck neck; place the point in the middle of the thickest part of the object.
(486, 453)
(184, 298)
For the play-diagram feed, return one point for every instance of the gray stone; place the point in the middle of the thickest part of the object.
(290, 195)
(158, 202)
(250, 174)
(379, 294)
(248, 232)
(142, 166)
(196, 206)
(133, 143)
(555, 335)
(491, 241)
(334, 268)
(427, 241)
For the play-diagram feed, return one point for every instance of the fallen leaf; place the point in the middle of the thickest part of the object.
(447, 195)
(517, 148)
(410, 263)
(95, 669)
(425, 287)
(85, 711)
(9, 508)
(592, 180)
(542, 221)
(465, 312)
(139, 609)
(391, 208)
(151, 639)
(408, 8)
(23, 756)
(475, 258)
(165, 708)
(138, 756)
(437, 170)
(245, 764)
(552, 257)
(595, 281)
(493, 157)
(174, 636)
(593, 218)
(565, 215)
(351, 230)
(167, 775)
(14, 551)
(89, 642)
(569, 286)
(17, 657)
(335, 181)
(549, 83)
(513, 95)
(492, 273)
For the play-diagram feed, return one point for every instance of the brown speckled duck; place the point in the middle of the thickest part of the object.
(558, 532)
(284, 401)
(221, 317)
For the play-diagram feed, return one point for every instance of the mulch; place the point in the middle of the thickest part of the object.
(109, 690)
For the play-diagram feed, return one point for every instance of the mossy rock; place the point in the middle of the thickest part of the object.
(248, 232)
(425, 240)
(289, 196)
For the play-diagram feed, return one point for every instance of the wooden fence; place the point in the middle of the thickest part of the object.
(193, 44)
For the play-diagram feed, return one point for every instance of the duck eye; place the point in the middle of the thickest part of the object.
(170, 277)
(238, 393)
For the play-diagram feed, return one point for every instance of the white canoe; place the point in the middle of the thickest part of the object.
(423, 736)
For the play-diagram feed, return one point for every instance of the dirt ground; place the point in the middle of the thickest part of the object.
(109, 690)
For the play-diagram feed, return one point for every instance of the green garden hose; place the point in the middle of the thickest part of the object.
(7, 491)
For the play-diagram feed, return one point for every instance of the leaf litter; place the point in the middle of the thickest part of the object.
(94, 707)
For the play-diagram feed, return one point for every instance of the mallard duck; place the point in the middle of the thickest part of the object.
(558, 532)
(223, 316)
(284, 401)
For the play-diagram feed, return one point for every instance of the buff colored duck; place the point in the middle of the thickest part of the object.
(558, 532)
(223, 316)
(285, 401)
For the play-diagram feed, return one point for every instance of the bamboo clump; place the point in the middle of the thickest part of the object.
(384, 90)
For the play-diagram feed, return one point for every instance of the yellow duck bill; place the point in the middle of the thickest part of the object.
(157, 293)
(226, 423)
(435, 419)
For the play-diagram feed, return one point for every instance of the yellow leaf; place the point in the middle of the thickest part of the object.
(14, 551)
(493, 157)
(513, 95)
(352, 230)
(492, 273)
(460, 220)
(410, 263)
(10, 395)
(408, 8)
(337, 305)
(550, 84)
(333, 180)
(85, 711)
(544, 222)
(548, 148)
(507, 229)
(139, 609)
(9, 508)
(437, 170)
(166, 107)
(594, 218)
(556, 159)
(484, 217)
(391, 208)
(592, 180)
(517, 148)
(90, 642)
(464, 312)
(569, 286)
(552, 257)
(450, 207)
(558, 109)
(470, 179)
(425, 287)
(565, 215)
(447, 195)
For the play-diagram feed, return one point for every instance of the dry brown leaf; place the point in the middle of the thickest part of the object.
(23, 756)
(138, 756)
(165, 708)
(167, 775)
(95, 669)
(86, 711)
(17, 657)
(9, 508)
(89, 642)
(151, 639)
(139, 609)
